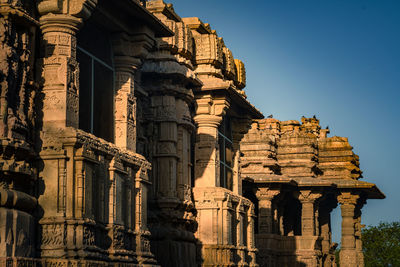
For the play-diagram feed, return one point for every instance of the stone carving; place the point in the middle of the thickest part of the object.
(347, 198)
(80, 8)
(209, 49)
(17, 95)
(88, 236)
(53, 235)
(18, 119)
(188, 159)
(302, 156)
(118, 238)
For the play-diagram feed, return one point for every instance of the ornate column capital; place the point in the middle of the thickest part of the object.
(204, 120)
(132, 46)
(265, 215)
(206, 104)
(347, 198)
(126, 63)
(60, 23)
(76, 8)
(307, 196)
(266, 193)
(64, 16)
(207, 163)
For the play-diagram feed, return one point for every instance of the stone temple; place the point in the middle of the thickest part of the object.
(127, 140)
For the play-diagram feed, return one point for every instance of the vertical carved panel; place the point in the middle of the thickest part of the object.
(17, 90)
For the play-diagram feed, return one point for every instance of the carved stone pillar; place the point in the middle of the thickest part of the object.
(125, 101)
(358, 227)
(121, 223)
(59, 23)
(308, 249)
(251, 244)
(60, 70)
(206, 150)
(144, 255)
(227, 219)
(184, 151)
(277, 213)
(348, 254)
(240, 127)
(166, 158)
(326, 234)
(360, 254)
(281, 211)
(209, 115)
(265, 215)
(243, 230)
(128, 54)
(308, 222)
(237, 181)
(242, 234)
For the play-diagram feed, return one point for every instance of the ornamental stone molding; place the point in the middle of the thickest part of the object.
(347, 198)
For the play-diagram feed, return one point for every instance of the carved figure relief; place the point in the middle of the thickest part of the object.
(16, 85)
(53, 235)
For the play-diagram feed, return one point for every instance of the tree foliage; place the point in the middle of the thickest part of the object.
(337, 255)
(381, 245)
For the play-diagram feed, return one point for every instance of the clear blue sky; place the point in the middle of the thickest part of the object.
(337, 59)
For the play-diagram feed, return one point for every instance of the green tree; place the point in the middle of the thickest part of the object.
(337, 260)
(381, 245)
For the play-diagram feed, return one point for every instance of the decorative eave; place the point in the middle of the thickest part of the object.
(313, 182)
(234, 94)
(158, 6)
(370, 189)
(77, 138)
(133, 12)
(269, 179)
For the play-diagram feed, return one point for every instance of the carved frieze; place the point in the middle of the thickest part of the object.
(88, 236)
(53, 235)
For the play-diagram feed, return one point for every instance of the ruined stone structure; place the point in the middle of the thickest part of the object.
(127, 140)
